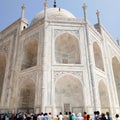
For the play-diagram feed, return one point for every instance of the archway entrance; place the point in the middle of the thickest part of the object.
(27, 97)
(104, 98)
(69, 95)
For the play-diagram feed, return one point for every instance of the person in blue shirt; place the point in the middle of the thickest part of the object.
(45, 116)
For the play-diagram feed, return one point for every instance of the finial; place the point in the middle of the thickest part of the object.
(54, 4)
(23, 10)
(85, 12)
(98, 16)
(46, 3)
(84, 6)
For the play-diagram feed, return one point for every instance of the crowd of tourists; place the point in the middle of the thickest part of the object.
(60, 116)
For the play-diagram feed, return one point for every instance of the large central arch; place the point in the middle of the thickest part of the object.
(69, 94)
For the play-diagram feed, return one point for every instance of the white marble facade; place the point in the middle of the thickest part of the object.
(58, 63)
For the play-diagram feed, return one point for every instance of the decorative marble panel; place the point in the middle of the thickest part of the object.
(5, 47)
(31, 75)
(58, 74)
(57, 32)
(34, 36)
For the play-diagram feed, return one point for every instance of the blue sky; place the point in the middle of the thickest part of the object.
(10, 11)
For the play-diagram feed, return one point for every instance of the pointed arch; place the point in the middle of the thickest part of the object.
(116, 72)
(98, 56)
(104, 97)
(30, 54)
(69, 90)
(2, 70)
(67, 49)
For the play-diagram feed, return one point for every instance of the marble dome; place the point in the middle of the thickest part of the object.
(53, 13)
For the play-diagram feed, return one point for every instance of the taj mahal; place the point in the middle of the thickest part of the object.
(58, 63)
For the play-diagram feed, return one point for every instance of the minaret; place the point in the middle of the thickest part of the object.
(45, 62)
(23, 10)
(24, 22)
(54, 4)
(98, 16)
(85, 11)
(98, 25)
(45, 8)
(91, 71)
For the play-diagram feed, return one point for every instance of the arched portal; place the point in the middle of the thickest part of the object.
(69, 94)
(104, 98)
(27, 96)
(67, 49)
(98, 56)
(2, 71)
(116, 71)
(30, 54)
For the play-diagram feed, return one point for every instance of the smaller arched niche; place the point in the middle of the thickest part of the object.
(2, 70)
(98, 56)
(104, 97)
(116, 72)
(67, 49)
(30, 54)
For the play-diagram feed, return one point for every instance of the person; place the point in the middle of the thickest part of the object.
(28, 116)
(85, 115)
(60, 116)
(73, 116)
(66, 116)
(103, 117)
(98, 115)
(45, 116)
(79, 116)
(117, 117)
(57, 117)
(40, 116)
(88, 117)
(95, 115)
(108, 116)
(70, 116)
(50, 117)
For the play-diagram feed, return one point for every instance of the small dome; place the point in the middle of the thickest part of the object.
(53, 13)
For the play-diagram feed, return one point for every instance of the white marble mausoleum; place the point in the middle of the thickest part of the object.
(58, 63)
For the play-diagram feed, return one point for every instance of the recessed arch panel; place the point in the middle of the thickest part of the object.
(30, 54)
(104, 97)
(67, 49)
(2, 70)
(116, 72)
(98, 56)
